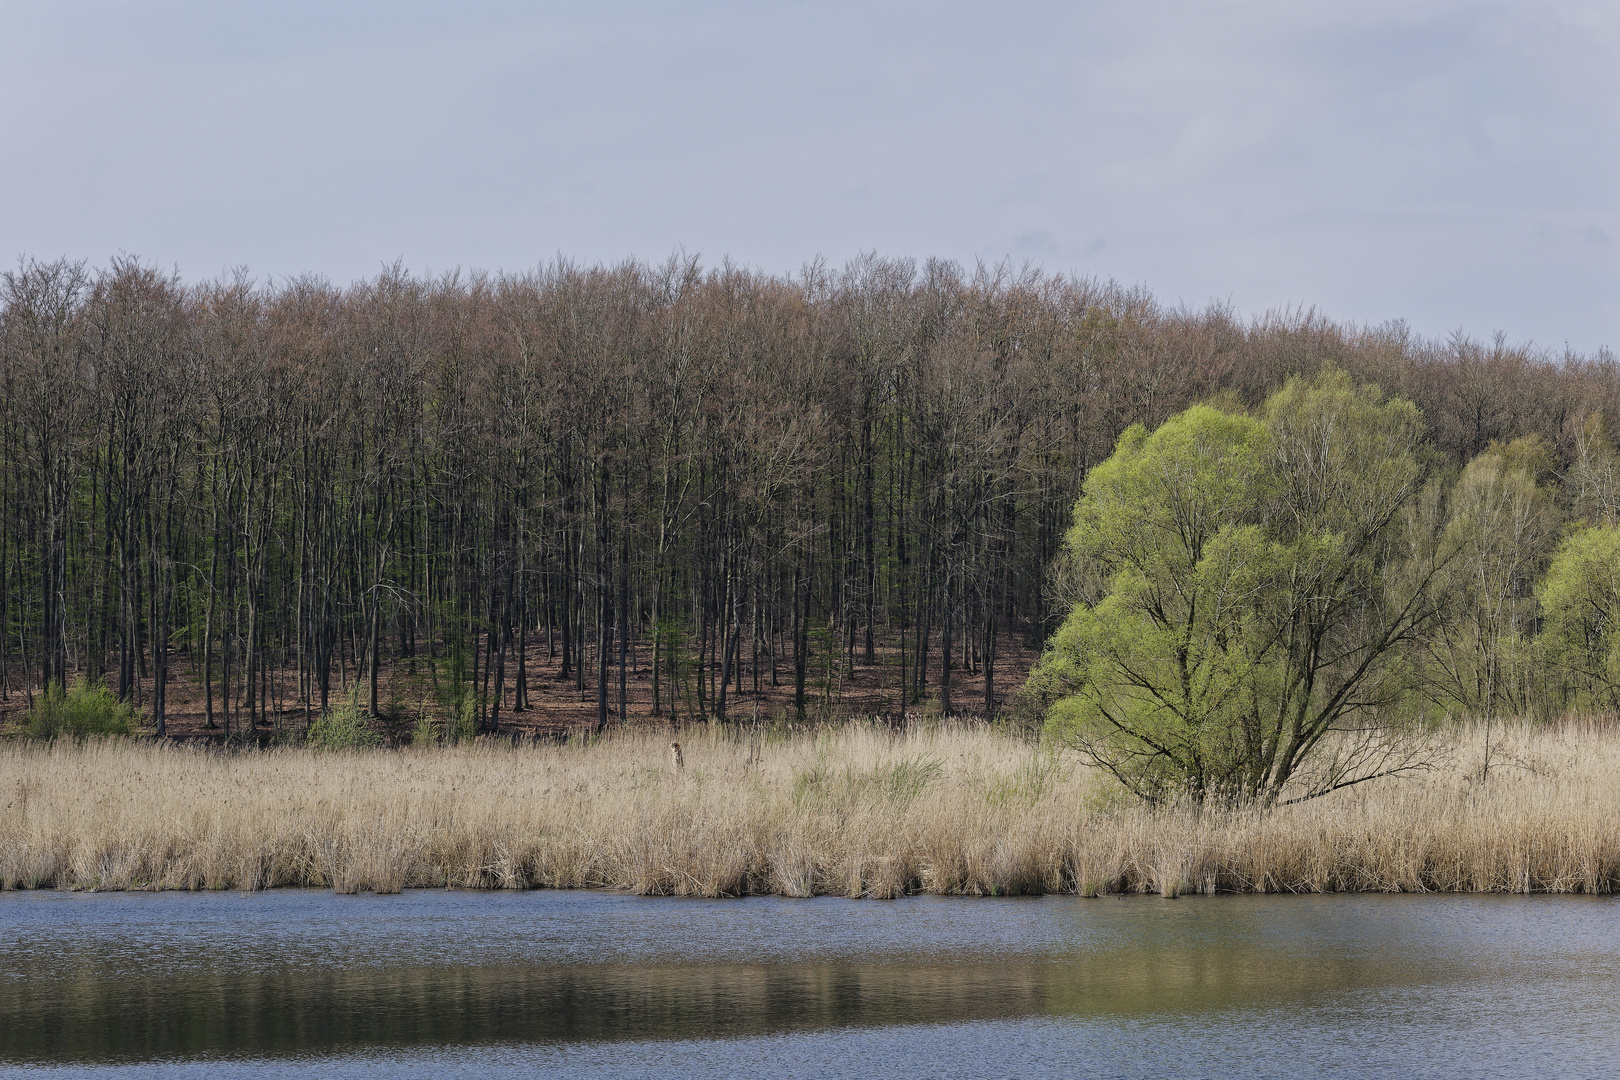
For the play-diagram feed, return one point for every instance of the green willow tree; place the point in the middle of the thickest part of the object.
(1580, 604)
(1250, 578)
(1477, 658)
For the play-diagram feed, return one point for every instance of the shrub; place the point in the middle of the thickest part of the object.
(342, 727)
(464, 724)
(425, 733)
(88, 709)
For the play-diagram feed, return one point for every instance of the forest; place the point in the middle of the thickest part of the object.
(708, 485)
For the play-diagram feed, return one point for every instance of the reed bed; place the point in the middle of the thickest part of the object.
(855, 811)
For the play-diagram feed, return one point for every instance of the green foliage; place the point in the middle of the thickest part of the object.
(457, 699)
(464, 722)
(1501, 526)
(343, 727)
(826, 680)
(677, 666)
(1247, 579)
(459, 688)
(424, 733)
(87, 709)
(1580, 602)
(902, 781)
(1530, 455)
(1151, 675)
(1028, 785)
(897, 783)
(1593, 482)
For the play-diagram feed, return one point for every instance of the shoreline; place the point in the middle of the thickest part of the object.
(613, 891)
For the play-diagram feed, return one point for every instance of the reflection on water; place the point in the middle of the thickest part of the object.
(435, 983)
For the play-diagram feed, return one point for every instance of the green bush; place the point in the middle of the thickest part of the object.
(425, 733)
(464, 724)
(342, 727)
(87, 709)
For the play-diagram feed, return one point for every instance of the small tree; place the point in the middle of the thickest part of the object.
(1501, 530)
(1249, 580)
(1580, 605)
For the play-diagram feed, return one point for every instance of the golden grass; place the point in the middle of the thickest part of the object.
(856, 811)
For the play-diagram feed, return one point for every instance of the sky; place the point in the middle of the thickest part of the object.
(1452, 164)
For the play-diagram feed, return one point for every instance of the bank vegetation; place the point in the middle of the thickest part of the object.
(857, 810)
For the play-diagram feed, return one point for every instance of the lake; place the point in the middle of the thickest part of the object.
(429, 984)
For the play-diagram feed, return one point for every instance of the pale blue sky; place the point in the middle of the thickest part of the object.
(1453, 164)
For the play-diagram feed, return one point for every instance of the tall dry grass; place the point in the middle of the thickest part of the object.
(856, 811)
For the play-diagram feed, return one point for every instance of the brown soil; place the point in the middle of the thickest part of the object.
(558, 707)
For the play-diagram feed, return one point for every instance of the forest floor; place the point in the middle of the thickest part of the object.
(408, 691)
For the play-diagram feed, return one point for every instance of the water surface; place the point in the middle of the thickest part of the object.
(429, 983)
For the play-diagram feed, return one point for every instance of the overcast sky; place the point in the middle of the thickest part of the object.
(1453, 164)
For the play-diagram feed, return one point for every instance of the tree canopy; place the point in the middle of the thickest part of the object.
(1250, 578)
(1580, 599)
(722, 480)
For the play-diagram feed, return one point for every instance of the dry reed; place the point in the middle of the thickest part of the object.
(857, 811)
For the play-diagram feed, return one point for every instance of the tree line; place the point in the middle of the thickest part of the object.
(275, 490)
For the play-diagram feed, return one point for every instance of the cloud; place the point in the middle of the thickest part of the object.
(1380, 160)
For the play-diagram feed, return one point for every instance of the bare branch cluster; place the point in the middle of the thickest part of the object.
(276, 489)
